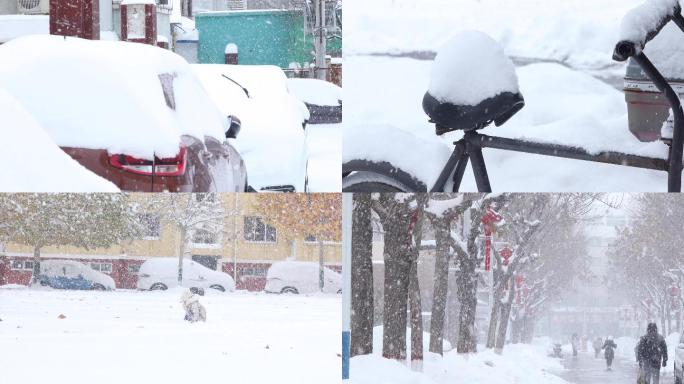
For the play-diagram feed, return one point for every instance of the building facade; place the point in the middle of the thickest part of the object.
(247, 245)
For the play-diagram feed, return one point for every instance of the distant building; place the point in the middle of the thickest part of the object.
(247, 244)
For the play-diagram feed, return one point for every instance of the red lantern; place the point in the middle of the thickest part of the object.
(488, 220)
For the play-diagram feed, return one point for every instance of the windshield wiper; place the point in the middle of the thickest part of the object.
(238, 84)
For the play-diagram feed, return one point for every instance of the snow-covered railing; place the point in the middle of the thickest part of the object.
(639, 26)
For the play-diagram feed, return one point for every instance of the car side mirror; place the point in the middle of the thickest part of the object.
(234, 127)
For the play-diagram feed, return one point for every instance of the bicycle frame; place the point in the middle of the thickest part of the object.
(469, 148)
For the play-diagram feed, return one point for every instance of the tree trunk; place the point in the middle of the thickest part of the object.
(416, 319)
(362, 277)
(36, 264)
(453, 309)
(467, 293)
(494, 315)
(416, 306)
(442, 227)
(528, 329)
(396, 284)
(181, 254)
(505, 316)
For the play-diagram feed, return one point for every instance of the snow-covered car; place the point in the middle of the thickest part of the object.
(272, 139)
(162, 273)
(301, 277)
(69, 274)
(131, 113)
(322, 98)
(53, 170)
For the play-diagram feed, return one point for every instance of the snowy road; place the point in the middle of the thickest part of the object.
(586, 369)
(140, 337)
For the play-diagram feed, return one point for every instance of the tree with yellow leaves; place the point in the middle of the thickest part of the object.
(304, 214)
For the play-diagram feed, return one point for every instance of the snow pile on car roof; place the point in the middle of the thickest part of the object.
(469, 68)
(638, 22)
(32, 161)
(108, 95)
(314, 91)
(55, 268)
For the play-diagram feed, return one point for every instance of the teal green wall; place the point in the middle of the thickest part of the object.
(263, 37)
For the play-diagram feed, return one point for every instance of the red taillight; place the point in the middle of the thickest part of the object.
(171, 166)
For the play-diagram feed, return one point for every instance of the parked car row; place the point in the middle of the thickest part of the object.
(162, 273)
(143, 119)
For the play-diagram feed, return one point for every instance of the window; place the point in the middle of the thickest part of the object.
(310, 239)
(133, 268)
(204, 237)
(253, 272)
(102, 267)
(28, 265)
(258, 231)
(17, 264)
(151, 226)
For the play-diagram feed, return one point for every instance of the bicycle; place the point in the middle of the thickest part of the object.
(359, 175)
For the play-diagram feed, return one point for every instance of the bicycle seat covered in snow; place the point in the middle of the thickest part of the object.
(449, 117)
(472, 84)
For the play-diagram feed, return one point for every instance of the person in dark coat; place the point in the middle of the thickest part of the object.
(609, 345)
(651, 354)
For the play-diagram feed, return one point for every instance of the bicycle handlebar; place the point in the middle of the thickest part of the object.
(625, 49)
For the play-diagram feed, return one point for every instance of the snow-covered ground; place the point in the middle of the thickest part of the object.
(520, 363)
(324, 142)
(580, 32)
(567, 48)
(127, 336)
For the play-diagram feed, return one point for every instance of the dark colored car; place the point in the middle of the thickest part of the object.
(131, 113)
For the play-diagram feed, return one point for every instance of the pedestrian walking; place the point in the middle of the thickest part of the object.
(575, 343)
(651, 354)
(609, 345)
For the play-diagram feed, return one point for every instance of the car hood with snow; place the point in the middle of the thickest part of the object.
(78, 90)
(72, 269)
(302, 276)
(162, 273)
(272, 139)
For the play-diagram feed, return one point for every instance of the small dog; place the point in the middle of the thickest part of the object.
(194, 311)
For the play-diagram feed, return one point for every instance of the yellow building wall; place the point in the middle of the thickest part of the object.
(233, 245)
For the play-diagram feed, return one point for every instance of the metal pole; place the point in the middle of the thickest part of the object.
(347, 207)
(235, 235)
(319, 39)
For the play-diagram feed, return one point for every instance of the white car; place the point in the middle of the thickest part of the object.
(162, 273)
(301, 277)
(69, 274)
(272, 139)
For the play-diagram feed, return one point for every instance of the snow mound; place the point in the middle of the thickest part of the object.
(108, 95)
(519, 363)
(666, 51)
(639, 21)
(314, 91)
(33, 163)
(469, 68)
